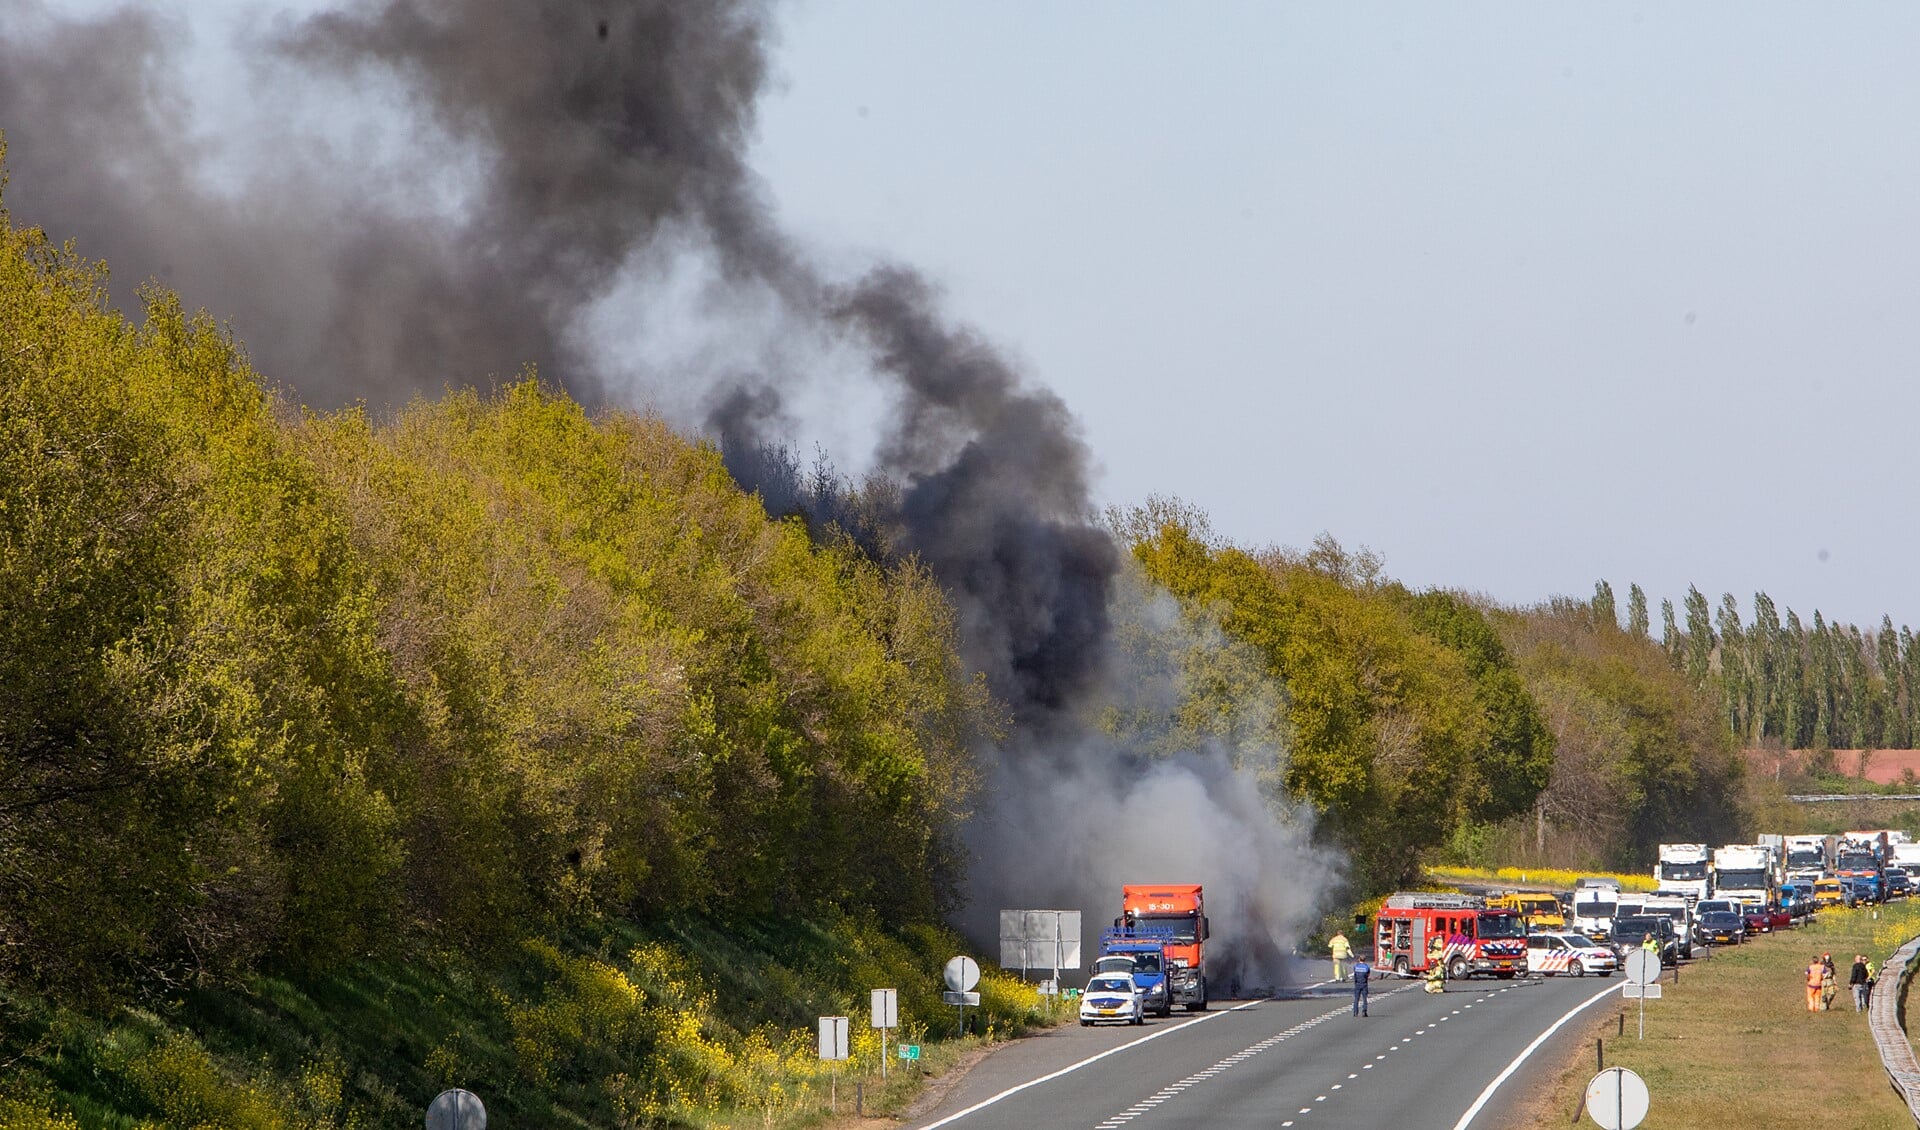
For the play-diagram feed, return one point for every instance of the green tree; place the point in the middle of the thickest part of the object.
(1637, 611)
(1700, 641)
(1603, 606)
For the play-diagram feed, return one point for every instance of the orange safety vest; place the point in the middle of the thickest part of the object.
(1815, 974)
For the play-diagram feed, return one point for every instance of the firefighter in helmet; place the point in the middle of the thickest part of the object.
(1436, 965)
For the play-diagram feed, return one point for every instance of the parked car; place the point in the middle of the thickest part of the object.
(1721, 926)
(1899, 883)
(1551, 953)
(1630, 931)
(1114, 997)
(1830, 892)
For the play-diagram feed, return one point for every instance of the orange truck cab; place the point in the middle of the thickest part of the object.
(1173, 914)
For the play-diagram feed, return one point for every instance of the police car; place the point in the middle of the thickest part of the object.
(1548, 954)
(1112, 997)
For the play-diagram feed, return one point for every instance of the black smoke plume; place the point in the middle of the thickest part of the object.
(548, 152)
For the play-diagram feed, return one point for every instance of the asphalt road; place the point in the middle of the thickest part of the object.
(1419, 1060)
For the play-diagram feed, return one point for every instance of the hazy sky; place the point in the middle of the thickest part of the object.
(1520, 296)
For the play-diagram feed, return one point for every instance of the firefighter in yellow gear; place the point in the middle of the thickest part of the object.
(1342, 950)
(1436, 966)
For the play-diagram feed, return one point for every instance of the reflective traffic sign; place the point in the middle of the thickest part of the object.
(1617, 1099)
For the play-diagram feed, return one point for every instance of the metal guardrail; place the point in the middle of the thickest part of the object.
(1817, 798)
(1887, 1020)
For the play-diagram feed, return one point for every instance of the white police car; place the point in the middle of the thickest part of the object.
(1112, 997)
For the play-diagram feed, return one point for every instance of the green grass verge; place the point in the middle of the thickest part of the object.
(690, 1024)
(1732, 1044)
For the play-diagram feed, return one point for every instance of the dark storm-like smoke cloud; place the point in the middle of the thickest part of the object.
(593, 126)
(593, 139)
(596, 130)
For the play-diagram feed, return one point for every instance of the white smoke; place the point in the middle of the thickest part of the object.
(1178, 777)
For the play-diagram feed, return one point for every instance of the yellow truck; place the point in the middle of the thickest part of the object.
(1828, 892)
(1540, 910)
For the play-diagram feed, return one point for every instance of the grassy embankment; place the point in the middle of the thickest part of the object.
(1732, 1045)
(719, 1021)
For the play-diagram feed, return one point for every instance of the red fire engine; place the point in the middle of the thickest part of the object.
(1475, 939)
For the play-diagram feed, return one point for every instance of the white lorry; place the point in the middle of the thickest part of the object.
(1594, 902)
(1809, 857)
(1677, 907)
(1744, 873)
(1685, 870)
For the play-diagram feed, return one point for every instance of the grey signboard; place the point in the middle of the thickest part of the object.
(1040, 939)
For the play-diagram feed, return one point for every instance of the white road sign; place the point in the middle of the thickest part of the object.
(1617, 1099)
(1643, 967)
(886, 1008)
(833, 1037)
(968, 999)
(456, 1110)
(963, 973)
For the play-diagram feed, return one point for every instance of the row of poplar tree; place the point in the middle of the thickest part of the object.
(1780, 680)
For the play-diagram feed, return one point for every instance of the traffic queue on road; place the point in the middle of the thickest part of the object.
(1152, 958)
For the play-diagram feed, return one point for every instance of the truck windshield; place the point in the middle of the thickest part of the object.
(1743, 880)
(1146, 963)
(1811, 858)
(1683, 872)
(1184, 926)
(1858, 861)
(1594, 908)
(1501, 926)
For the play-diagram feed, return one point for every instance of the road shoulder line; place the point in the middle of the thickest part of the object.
(1481, 1102)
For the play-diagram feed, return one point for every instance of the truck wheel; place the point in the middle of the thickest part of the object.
(1457, 969)
(1400, 965)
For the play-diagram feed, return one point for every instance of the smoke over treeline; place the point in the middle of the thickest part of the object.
(549, 155)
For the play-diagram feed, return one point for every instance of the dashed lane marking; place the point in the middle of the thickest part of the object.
(1481, 1102)
(1234, 1060)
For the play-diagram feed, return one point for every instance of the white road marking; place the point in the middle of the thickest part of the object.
(1072, 1067)
(1481, 1102)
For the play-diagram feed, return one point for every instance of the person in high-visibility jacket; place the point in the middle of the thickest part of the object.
(1816, 972)
(1342, 950)
(1436, 966)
